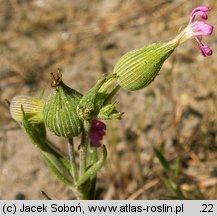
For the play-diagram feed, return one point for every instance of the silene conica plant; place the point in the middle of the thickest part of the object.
(68, 113)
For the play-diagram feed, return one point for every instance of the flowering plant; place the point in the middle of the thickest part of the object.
(68, 113)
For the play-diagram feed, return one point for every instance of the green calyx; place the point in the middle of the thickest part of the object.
(109, 112)
(96, 103)
(33, 108)
(138, 68)
(60, 110)
(89, 106)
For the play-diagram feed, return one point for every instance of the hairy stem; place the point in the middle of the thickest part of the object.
(74, 169)
(93, 160)
(84, 146)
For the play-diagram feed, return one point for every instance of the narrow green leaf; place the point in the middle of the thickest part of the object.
(162, 159)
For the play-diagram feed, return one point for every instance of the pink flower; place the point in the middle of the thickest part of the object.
(97, 131)
(200, 28)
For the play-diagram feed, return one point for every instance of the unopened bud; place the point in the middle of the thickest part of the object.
(109, 112)
(33, 108)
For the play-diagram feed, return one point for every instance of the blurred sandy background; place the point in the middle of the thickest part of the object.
(85, 39)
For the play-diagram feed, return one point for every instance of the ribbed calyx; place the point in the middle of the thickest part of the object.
(138, 68)
(33, 108)
(60, 110)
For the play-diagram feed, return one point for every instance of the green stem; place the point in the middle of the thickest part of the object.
(93, 155)
(106, 85)
(80, 195)
(74, 169)
(112, 94)
(112, 85)
(92, 170)
(83, 189)
(93, 160)
(84, 146)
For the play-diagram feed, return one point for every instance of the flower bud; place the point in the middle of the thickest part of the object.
(138, 68)
(33, 108)
(92, 102)
(60, 111)
(109, 112)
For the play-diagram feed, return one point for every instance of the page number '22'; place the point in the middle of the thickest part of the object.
(207, 208)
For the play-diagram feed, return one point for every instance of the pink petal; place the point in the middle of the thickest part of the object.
(201, 11)
(98, 125)
(97, 132)
(202, 15)
(204, 49)
(102, 132)
(95, 140)
(201, 8)
(202, 28)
